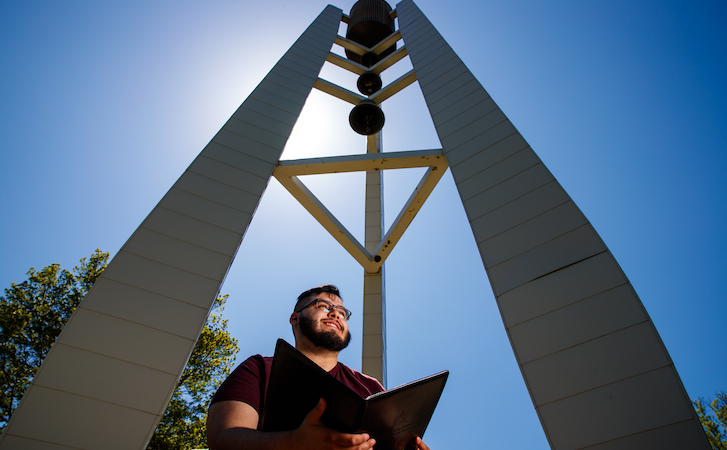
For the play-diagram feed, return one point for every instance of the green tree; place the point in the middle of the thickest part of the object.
(713, 416)
(33, 313)
(183, 425)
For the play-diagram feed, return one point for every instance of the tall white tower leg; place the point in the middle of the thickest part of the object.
(107, 380)
(597, 371)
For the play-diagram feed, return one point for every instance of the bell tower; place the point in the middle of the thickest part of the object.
(596, 369)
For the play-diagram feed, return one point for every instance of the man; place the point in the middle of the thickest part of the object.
(320, 328)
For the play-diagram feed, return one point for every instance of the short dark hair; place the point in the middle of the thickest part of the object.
(329, 288)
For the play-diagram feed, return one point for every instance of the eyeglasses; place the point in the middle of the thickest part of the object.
(326, 307)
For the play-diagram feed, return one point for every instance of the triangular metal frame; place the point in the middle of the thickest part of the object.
(287, 172)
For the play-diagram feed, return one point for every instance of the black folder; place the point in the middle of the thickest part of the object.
(394, 417)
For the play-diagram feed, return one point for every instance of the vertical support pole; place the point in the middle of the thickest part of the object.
(110, 375)
(374, 320)
(597, 371)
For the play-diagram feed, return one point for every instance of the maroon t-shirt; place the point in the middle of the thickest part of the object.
(248, 383)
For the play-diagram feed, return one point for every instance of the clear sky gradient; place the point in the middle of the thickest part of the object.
(103, 105)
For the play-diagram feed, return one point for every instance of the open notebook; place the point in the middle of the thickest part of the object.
(393, 417)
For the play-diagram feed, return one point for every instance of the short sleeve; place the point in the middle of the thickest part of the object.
(247, 383)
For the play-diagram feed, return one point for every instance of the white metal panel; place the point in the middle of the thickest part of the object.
(373, 286)
(450, 113)
(228, 175)
(128, 341)
(435, 50)
(518, 211)
(679, 436)
(290, 65)
(292, 82)
(205, 210)
(20, 443)
(249, 116)
(239, 160)
(316, 39)
(301, 60)
(507, 191)
(614, 357)
(533, 233)
(372, 327)
(467, 89)
(273, 99)
(631, 406)
(498, 173)
(480, 109)
(280, 91)
(274, 140)
(496, 131)
(417, 26)
(595, 316)
(218, 192)
(373, 310)
(438, 91)
(565, 250)
(261, 107)
(558, 289)
(89, 374)
(162, 279)
(179, 254)
(500, 148)
(372, 222)
(444, 74)
(145, 308)
(309, 49)
(372, 349)
(312, 42)
(191, 230)
(50, 415)
(478, 129)
(320, 27)
(478, 159)
(421, 32)
(373, 192)
(245, 145)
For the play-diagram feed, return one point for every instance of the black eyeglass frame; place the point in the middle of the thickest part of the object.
(331, 306)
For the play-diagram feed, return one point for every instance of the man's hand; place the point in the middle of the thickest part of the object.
(313, 432)
(421, 445)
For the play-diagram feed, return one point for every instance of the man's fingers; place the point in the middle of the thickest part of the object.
(351, 441)
(356, 441)
(367, 444)
(339, 440)
(316, 413)
(421, 445)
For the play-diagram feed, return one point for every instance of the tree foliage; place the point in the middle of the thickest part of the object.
(713, 416)
(183, 425)
(33, 313)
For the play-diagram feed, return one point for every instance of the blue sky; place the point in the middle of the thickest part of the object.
(104, 105)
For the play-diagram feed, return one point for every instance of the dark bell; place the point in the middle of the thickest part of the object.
(366, 118)
(368, 83)
(368, 59)
(370, 22)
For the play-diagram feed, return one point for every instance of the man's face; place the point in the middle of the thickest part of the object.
(324, 329)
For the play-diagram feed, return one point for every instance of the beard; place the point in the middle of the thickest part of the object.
(327, 339)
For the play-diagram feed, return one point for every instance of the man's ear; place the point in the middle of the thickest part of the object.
(294, 318)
